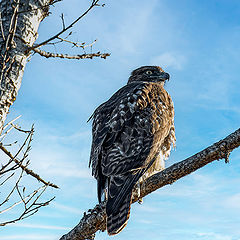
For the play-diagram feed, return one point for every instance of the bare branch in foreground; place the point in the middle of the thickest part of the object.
(96, 218)
(30, 202)
(15, 191)
(82, 56)
(19, 163)
(27, 170)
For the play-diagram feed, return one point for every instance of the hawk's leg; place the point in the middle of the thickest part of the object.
(138, 185)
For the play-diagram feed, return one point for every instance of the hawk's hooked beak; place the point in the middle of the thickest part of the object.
(164, 76)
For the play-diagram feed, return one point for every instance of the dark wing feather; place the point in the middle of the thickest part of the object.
(108, 121)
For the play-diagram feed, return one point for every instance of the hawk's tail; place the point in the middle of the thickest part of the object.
(117, 220)
(120, 199)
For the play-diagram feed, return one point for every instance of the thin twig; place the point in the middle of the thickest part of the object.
(13, 189)
(19, 129)
(22, 200)
(63, 22)
(5, 134)
(7, 179)
(30, 209)
(9, 123)
(28, 171)
(93, 4)
(76, 44)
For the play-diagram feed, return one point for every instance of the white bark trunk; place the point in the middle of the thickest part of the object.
(19, 24)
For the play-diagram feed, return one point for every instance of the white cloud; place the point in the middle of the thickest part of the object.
(75, 137)
(233, 201)
(145, 221)
(147, 208)
(40, 226)
(66, 170)
(60, 157)
(29, 236)
(59, 163)
(169, 60)
(68, 209)
(214, 236)
(200, 187)
(132, 29)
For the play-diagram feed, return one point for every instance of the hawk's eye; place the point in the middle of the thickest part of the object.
(148, 72)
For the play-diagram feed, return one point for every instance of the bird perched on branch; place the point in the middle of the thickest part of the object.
(132, 136)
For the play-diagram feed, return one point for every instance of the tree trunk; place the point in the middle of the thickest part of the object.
(19, 22)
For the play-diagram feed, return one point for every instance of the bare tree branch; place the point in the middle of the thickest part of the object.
(13, 158)
(96, 218)
(82, 56)
(10, 122)
(28, 171)
(93, 4)
(30, 202)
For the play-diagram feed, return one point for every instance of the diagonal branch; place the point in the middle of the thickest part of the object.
(96, 218)
(24, 168)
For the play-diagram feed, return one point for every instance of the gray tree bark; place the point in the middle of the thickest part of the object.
(19, 22)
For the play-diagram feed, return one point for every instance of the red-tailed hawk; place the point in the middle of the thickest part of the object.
(132, 135)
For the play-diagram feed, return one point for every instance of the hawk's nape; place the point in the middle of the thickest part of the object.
(132, 135)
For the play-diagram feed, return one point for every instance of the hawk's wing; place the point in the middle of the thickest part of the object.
(128, 131)
(116, 119)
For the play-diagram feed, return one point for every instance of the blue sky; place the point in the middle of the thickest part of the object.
(197, 42)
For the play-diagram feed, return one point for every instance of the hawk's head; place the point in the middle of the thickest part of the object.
(148, 74)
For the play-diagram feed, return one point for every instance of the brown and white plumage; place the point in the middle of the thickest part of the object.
(132, 134)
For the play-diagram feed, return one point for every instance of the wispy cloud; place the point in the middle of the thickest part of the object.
(66, 208)
(145, 221)
(60, 157)
(169, 60)
(75, 137)
(214, 236)
(232, 202)
(56, 163)
(40, 226)
(132, 29)
(201, 185)
(29, 237)
(147, 208)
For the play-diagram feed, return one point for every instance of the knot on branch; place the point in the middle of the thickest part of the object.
(226, 157)
(224, 152)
